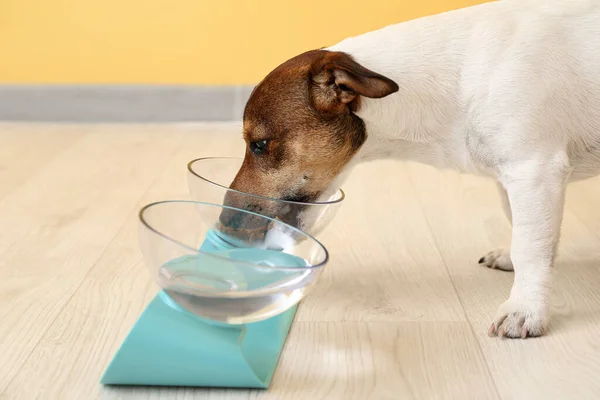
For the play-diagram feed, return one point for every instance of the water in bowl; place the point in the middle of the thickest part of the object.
(237, 286)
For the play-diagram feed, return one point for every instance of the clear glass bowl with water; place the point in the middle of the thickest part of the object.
(230, 273)
(209, 180)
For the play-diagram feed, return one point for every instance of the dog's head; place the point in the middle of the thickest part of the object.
(301, 129)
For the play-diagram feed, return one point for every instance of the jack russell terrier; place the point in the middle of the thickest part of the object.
(507, 89)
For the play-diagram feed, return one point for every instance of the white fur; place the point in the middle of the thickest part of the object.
(509, 89)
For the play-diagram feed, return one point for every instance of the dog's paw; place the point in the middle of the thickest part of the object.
(516, 319)
(497, 259)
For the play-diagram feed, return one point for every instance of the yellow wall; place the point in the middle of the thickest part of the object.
(180, 41)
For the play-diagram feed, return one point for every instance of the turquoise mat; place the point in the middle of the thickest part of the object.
(168, 346)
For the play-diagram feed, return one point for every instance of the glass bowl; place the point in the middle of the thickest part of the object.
(209, 180)
(224, 274)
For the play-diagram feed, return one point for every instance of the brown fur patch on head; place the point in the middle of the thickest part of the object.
(304, 109)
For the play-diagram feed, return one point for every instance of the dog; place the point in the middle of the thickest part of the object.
(507, 89)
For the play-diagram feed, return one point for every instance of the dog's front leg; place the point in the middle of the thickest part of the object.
(500, 258)
(536, 193)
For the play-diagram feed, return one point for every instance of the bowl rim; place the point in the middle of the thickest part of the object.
(316, 203)
(146, 224)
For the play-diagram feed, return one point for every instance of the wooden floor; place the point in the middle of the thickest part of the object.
(401, 312)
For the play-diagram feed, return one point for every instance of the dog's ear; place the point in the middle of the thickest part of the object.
(337, 80)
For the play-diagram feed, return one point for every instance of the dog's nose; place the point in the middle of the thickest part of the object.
(237, 219)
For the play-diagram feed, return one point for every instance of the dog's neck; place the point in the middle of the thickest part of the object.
(425, 120)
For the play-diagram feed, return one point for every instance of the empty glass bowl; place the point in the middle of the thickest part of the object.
(209, 180)
(231, 274)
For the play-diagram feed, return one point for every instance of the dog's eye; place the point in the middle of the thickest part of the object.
(259, 147)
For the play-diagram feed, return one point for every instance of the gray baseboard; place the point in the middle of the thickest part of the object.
(119, 103)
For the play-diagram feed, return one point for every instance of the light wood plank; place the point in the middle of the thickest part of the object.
(383, 360)
(583, 200)
(384, 263)
(56, 225)
(25, 150)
